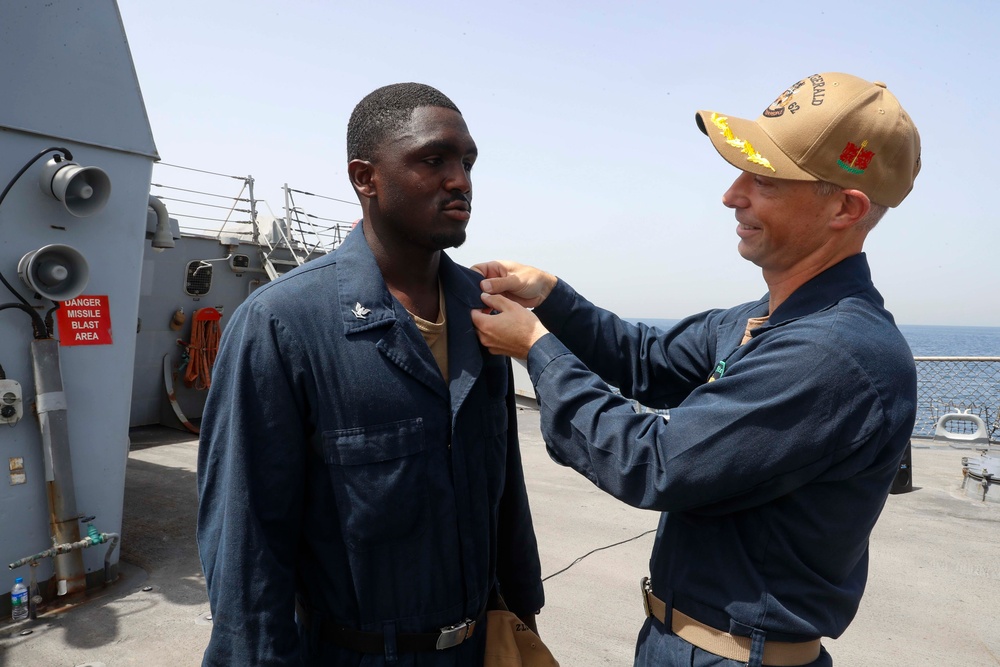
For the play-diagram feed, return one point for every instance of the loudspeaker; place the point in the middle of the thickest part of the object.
(904, 475)
(56, 272)
(82, 190)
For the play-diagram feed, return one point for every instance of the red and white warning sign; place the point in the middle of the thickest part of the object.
(85, 320)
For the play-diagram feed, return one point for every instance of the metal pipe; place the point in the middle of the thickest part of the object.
(34, 599)
(107, 555)
(89, 541)
(163, 237)
(286, 230)
(50, 404)
(255, 234)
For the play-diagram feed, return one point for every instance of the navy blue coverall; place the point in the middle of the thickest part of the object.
(770, 477)
(338, 467)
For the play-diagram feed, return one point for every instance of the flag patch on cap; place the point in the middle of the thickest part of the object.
(736, 142)
(855, 158)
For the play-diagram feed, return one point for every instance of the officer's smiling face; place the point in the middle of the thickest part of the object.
(780, 222)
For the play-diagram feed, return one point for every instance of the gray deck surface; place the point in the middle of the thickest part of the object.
(933, 594)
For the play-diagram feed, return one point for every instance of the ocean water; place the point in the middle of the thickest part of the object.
(947, 341)
(924, 340)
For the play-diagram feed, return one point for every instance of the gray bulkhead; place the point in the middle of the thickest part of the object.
(68, 81)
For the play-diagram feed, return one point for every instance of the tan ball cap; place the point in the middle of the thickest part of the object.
(829, 127)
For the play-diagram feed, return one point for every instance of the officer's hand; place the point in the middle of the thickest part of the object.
(511, 330)
(521, 284)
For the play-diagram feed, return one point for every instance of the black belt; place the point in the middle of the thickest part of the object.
(406, 642)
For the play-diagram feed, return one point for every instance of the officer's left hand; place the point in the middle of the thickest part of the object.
(511, 330)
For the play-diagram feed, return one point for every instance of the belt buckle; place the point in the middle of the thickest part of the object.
(453, 635)
(646, 588)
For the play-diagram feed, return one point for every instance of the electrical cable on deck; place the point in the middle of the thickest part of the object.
(631, 539)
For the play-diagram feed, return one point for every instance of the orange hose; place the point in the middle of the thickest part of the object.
(204, 345)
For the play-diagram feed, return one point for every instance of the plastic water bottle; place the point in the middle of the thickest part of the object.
(19, 600)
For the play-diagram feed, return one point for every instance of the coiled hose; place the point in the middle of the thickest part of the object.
(204, 345)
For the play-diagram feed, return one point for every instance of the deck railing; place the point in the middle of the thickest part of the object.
(957, 384)
(203, 204)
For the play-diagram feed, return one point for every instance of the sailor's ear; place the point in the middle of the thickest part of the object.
(362, 175)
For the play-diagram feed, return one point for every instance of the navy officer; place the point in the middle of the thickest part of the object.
(783, 420)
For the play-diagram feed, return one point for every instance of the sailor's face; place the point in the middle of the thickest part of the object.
(423, 179)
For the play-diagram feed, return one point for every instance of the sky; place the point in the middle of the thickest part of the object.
(590, 164)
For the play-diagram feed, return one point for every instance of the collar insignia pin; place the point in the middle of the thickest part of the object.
(360, 311)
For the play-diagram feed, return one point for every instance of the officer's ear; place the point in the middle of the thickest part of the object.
(852, 206)
(362, 175)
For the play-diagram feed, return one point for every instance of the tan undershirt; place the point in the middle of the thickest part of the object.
(436, 334)
(753, 323)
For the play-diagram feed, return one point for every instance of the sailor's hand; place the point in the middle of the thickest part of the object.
(521, 284)
(511, 330)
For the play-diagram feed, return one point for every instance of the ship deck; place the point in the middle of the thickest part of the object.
(931, 597)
